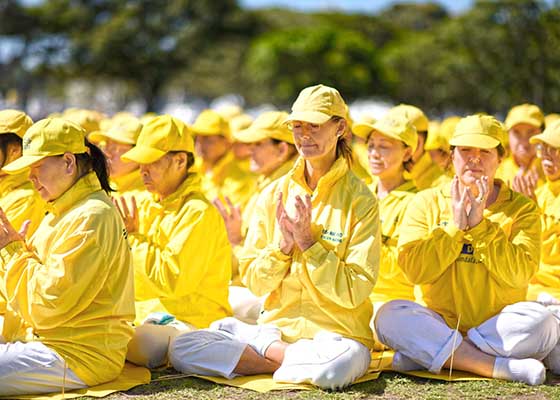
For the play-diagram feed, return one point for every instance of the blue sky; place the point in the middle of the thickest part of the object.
(354, 6)
(357, 6)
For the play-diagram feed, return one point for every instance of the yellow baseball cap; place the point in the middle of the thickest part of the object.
(439, 139)
(87, 119)
(210, 123)
(317, 104)
(363, 126)
(268, 125)
(525, 113)
(48, 137)
(158, 137)
(397, 127)
(14, 121)
(124, 130)
(550, 118)
(239, 123)
(481, 131)
(415, 115)
(229, 111)
(550, 136)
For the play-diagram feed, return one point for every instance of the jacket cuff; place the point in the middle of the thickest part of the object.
(483, 232)
(315, 254)
(454, 232)
(9, 251)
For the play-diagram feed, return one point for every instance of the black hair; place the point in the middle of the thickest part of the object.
(94, 160)
(8, 138)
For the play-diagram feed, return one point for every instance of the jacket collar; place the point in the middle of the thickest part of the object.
(85, 186)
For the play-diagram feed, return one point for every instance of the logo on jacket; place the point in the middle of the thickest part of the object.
(331, 236)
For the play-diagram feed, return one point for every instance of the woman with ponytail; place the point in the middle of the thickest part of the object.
(70, 286)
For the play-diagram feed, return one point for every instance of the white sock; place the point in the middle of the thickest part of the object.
(402, 363)
(528, 370)
(259, 337)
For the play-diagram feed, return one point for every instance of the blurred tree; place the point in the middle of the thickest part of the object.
(416, 17)
(281, 63)
(143, 42)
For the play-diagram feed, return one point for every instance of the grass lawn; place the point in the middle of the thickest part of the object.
(388, 386)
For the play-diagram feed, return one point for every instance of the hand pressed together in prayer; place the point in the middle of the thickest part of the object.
(128, 214)
(8, 234)
(525, 182)
(296, 231)
(232, 219)
(468, 210)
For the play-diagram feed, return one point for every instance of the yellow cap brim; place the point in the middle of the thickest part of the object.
(99, 136)
(475, 140)
(362, 130)
(21, 164)
(554, 142)
(143, 155)
(313, 117)
(249, 136)
(531, 121)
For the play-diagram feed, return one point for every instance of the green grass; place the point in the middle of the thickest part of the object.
(389, 386)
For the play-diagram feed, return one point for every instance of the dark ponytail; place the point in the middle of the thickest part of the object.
(94, 160)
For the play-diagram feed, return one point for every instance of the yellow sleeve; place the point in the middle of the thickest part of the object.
(348, 281)
(262, 265)
(511, 260)
(49, 293)
(177, 267)
(425, 252)
(29, 206)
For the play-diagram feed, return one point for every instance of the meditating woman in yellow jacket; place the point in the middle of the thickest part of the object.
(313, 249)
(18, 198)
(391, 143)
(180, 250)
(473, 246)
(545, 285)
(70, 287)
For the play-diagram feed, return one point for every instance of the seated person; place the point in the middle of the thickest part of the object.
(273, 153)
(180, 250)
(18, 198)
(391, 143)
(70, 287)
(313, 248)
(545, 285)
(222, 174)
(473, 246)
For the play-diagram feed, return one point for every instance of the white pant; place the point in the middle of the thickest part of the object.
(520, 330)
(33, 368)
(328, 361)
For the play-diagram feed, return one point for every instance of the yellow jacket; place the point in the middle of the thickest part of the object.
(424, 172)
(392, 283)
(547, 278)
(327, 287)
(471, 274)
(261, 183)
(21, 202)
(227, 178)
(182, 257)
(72, 284)
(129, 182)
(508, 169)
(360, 164)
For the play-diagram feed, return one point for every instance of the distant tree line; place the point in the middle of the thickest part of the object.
(496, 54)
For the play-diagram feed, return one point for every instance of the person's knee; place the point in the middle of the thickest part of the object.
(350, 364)
(205, 352)
(150, 345)
(387, 321)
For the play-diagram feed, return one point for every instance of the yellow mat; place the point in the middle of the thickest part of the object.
(130, 377)
(380, 361)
